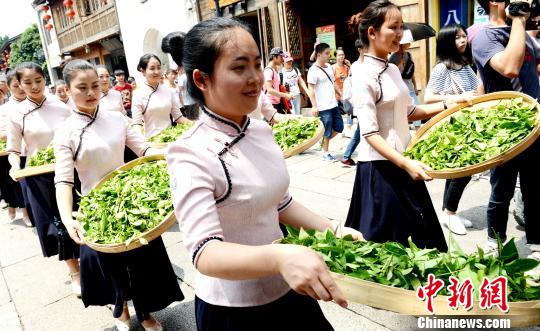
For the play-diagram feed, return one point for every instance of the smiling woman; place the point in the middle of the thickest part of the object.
(230, 186)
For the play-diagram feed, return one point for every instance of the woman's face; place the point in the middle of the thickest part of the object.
(461, 41)
(153, 73)
(171, 76)
(16, 90)
(85, 91)
(104, 79)
(387, 38)
(340, 56)
(33, 84)
(234, 87)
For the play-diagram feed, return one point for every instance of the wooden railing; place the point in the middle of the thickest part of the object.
(97, 26)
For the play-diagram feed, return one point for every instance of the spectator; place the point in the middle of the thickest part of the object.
(404, 62)
(61, 94)
(507, 59)
(132, 82)
(292, 79)
(322, 93)
(341, 72)
(347, 95)
(271, 80)
(453, 80)
(124, 88)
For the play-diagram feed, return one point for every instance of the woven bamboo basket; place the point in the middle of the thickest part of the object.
(3, 153)
(479, 103)
(307, 143)
(34, 171)
(159, 145)
(149, 235)
(521, 314)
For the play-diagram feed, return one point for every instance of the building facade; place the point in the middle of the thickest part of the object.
(85, 29)
(146, 22)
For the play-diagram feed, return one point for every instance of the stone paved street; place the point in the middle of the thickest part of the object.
(35, 292)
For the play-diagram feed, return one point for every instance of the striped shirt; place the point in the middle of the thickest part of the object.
(450, 81)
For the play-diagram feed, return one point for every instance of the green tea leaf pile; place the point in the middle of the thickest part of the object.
(293, 132)
(471, 137)
(3, 145)
(395, 265)
(170, 134)
(127, 205)
(43, 157)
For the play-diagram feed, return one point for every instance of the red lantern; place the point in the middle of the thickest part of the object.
(68, 3)
(44, 8)
(47, 17)
(70, 13)
(49, 27)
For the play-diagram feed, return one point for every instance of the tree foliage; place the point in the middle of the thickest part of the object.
(3, 39)
(27, 48)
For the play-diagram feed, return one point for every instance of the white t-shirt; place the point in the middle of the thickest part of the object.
(324, 87)
(291, 77)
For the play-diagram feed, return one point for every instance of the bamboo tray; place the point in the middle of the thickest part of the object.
(522, 314)
(149, 235)
(307, 143)
(3, 153)
(158, 145)
(34, 171)
(478, 103)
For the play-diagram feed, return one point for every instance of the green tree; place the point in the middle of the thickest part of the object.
(28, 48)
(3, 39)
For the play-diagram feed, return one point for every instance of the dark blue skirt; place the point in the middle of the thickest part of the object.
(144, 275)
(292, 312)
(53, 236)
(388, 205)
(11, 190)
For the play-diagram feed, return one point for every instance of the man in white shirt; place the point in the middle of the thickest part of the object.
(322, 93)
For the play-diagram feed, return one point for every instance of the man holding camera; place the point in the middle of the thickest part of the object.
(507, 60)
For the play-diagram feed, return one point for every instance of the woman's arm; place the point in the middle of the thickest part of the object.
(415, 169)
(64, 199)
(303, 85)
(428, 111)
(15, 163)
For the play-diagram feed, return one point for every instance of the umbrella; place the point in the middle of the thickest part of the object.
(420, 30)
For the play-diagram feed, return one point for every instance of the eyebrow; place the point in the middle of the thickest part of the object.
(245, 58)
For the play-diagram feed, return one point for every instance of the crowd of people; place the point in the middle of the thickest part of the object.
(229, 181)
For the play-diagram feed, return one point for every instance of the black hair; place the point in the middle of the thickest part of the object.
(358, 44)
(447, 51)
(119, 72)
(338, 49)
(484, 4)
(374, 16)
(143, 61)
(131, 79)
(59, 83)
(200, 48)
(10, 76)
(75, 66)
(30, 66)
(169, 71)
(101, 66)
(321, 48)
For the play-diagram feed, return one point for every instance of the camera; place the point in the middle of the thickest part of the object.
(520, 8)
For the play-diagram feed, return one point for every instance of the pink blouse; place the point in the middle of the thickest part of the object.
(154, 108)
(229, 183)
(382, 103)
(112, 100)
(34, 125)
(94, 145)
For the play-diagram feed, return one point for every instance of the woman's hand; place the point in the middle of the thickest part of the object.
(75, 230)
(417, 170)
(12, 173)
(465, 97)
(306, 273)
(343, 231)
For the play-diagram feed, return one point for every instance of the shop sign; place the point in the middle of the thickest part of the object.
(327, 34)
(454, 12)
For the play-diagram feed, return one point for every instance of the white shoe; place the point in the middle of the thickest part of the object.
(76, 286)
(122, 325)
(467, 223)
(491, 247)
(454, 224)
(534, 247)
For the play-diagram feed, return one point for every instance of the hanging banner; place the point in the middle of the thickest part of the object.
(454, 12)
(327, 34)
(480, 15)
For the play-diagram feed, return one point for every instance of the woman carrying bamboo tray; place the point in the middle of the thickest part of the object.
(229, 184)
(92, 141)
(390, 201)
(32, 125)
(12, 191)
(154, 104)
